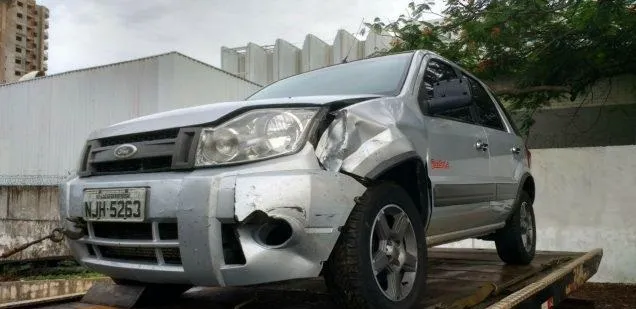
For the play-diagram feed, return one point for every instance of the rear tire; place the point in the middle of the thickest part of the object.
(516, 242)
(379, 260)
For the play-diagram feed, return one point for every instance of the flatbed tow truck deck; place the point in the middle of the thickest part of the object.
(457, 278)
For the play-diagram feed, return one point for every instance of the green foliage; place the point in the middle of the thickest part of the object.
(539, 49)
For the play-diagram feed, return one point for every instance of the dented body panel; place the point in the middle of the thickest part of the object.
(315, 202)
(279, 219)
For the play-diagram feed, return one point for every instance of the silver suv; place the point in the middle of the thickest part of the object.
(349, 171)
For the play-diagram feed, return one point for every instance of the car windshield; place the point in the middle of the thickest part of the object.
(381, 76)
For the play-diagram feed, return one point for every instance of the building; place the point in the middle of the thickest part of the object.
(23, 38)
(44, 123)
(267, 64)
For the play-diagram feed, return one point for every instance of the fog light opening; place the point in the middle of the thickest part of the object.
(274, 232)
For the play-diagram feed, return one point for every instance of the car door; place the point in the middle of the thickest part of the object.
(458, 158)
(505, 148)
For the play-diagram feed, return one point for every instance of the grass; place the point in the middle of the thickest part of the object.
(45, 270)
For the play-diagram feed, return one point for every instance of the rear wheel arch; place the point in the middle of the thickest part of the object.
(527, 185)
(409, 172)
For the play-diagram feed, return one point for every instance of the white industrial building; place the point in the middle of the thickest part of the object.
(266, 64)
(44, 122)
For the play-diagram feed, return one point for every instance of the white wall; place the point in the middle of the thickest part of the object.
(195, 83)
(44, 122)
(346, 45)
(266, 65)
(286, 60)
(315, 54)
(585, 199)
(257, 64)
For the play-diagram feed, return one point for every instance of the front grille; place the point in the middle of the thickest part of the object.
(156, 248)
(116, 230)
(171, 256)
(129, 254)
(156, 151)
(141, 137)
(136, 231)
(168, 231)
(133, 166)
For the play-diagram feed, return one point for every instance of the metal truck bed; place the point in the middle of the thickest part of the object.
(457, 278)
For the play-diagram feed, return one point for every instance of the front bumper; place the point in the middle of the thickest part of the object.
(203, 202)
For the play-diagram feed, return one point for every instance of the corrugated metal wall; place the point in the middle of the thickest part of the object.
(44, 122)
(265, 65)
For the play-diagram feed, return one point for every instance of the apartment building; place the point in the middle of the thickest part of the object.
(23, 39)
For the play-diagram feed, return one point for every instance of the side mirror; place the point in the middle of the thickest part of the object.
(449, 95)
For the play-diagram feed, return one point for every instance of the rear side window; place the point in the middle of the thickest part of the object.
(511, 121)
(439, 81)
(487, 113)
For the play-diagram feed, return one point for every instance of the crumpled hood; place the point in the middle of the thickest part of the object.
(203, 114)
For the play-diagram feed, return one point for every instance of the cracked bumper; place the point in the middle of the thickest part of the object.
(313, 201)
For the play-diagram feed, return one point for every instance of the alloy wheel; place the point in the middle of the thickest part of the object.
(394, 252)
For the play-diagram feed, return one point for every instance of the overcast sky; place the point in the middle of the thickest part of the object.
(85, 33)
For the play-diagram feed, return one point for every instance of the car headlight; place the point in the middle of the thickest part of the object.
(255, 135)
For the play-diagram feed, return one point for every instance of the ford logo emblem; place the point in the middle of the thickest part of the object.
(125, 151)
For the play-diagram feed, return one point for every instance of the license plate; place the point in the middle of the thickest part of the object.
(125, 204)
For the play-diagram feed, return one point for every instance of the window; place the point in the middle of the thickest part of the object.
(373, 76)
(435, 72)
(20, 15)
(17, 73)
(19, 27)
(18, 50)
(485, 107)
(18, 38)
(18, 61)
(20, 3)
(445, 89)
(511, 121)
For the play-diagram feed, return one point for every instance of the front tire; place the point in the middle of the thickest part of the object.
(516, 242)
(380, 259)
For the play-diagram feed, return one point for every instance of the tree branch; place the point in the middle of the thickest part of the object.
(517, 91)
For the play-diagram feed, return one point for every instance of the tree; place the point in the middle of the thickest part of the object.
(535, 50)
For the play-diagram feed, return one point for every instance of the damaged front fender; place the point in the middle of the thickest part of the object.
(364, 138)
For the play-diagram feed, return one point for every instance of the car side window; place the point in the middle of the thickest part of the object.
(511, 120)
(442, 84)
(487, 113)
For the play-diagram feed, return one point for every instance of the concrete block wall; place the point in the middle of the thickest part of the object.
(267, 64)
(585, 199)
(28, 213)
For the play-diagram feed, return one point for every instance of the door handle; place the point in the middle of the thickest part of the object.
(515, 150)
(479, 145)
